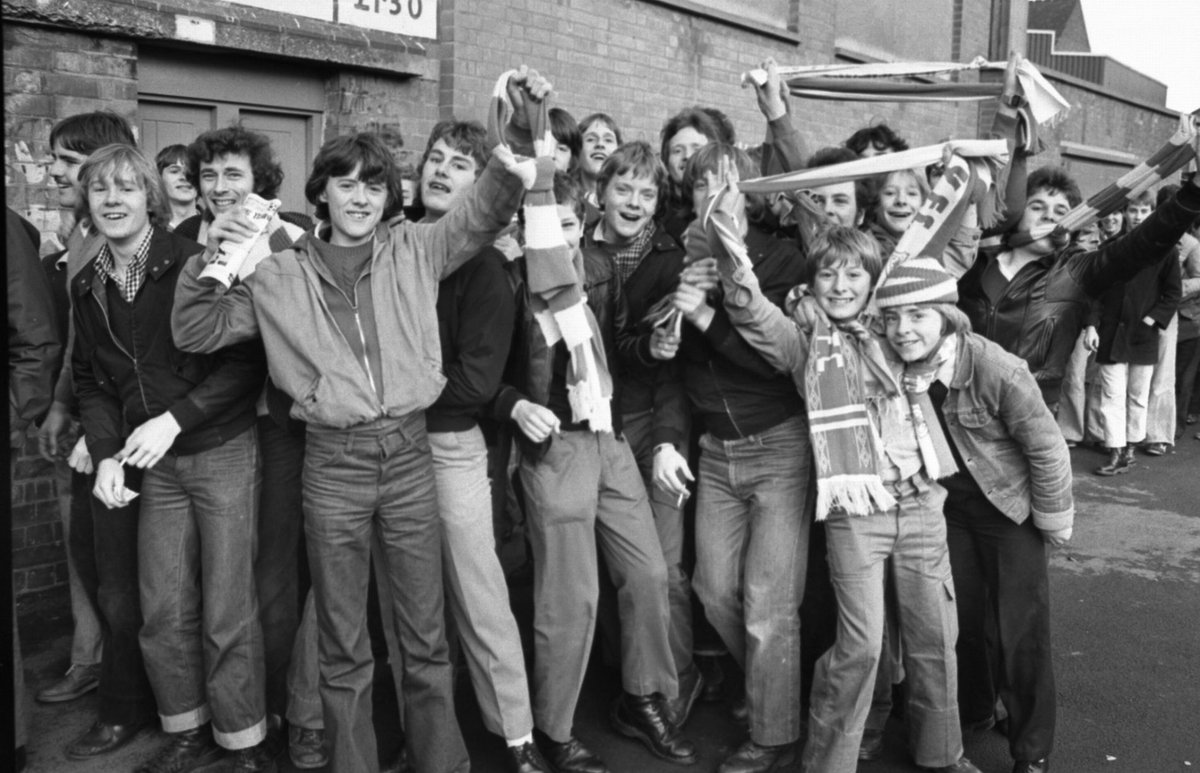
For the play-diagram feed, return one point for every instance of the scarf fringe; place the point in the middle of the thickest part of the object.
(857, 495)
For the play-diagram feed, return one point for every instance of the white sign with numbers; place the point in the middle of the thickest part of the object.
(416, 18)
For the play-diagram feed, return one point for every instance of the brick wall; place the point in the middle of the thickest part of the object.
(39, 557)
(48, 75)
(641, 62)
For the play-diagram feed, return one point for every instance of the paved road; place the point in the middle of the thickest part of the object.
(1126, 599)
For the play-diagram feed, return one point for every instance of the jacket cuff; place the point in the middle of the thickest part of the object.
(506, 400)
(106, 448)
(670, 435)
(1054, 521)
(187, 415)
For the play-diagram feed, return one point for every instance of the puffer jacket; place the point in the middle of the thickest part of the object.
(1044, 306)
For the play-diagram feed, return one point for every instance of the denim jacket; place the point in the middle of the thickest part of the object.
(1007, 436)
(994, 410)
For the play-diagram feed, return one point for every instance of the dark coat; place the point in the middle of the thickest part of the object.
(1045, 305)
(121, 385)
(1154, 292)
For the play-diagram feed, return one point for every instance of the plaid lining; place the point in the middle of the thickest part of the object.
(135, 272)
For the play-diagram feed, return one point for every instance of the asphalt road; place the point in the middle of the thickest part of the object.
(1126, 601)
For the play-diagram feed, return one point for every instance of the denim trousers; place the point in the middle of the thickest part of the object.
(104, 546)
(377, 479)
(668, 521)
(913, 533)
(751, 562)
(1001, 576)
(201, 637)
(277, 564)
(476, 591)
(586, 491)
(87, 638)
(1160, 405)
(1124, 394)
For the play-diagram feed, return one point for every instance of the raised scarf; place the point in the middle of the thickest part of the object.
(1171, 157)
(556, 276)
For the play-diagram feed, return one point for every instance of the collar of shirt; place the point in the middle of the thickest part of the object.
(626, 257)
(135, 272)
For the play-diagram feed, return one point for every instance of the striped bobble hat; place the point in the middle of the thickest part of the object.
(916, 281)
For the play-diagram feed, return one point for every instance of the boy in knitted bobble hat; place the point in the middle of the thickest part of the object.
(1004, 441)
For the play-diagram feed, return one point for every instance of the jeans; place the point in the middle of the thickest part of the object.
(1001, 576)
(475, 587)
(668, 521)
(586, 490)
(201, 638)
(378, 478)
(1073, 402)
(87, 639)
(914, 534)
(104, 546)
(277, 564)
(751, 562)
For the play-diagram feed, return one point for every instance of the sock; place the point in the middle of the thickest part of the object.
(515, 742)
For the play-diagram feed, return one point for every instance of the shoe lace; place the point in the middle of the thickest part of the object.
(309, 737)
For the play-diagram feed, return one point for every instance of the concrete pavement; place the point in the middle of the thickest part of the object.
(1126, 601)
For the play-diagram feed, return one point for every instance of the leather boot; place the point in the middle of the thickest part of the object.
(184, 752)
(644, 717)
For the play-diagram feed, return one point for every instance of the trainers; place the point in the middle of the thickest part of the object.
(691, 685)
(184, 752)
(254, 759)
(1155, 449)
(306, 747)
(78, 681)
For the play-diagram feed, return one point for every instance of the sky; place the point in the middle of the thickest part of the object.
(1161, 38)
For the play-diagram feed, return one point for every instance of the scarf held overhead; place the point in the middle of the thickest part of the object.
(555, 276)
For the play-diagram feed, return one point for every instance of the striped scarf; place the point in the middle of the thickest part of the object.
(1164, 162)
(871, 83)
(555, 275)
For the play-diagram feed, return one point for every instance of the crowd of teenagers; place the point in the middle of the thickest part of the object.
(712, 425)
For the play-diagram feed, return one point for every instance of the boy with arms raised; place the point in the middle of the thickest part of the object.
(324, 309)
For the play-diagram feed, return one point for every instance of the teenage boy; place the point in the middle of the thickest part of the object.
(324, 309)
(172, 164)
(227, 165)
(1132, 317)
(599, 136)
(192, 420)
(654, 411)
(1032, 296)
(103, 541)
(583, 492)
(844, 203)
(475, 322)
(751, 530)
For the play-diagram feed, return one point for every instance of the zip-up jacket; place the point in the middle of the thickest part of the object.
(34, 345)
(1043, 308)
(309, 359)
(648, 384)
(735, 390)
(537, 372)
(122, 381)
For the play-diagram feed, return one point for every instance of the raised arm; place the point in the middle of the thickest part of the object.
(208, 316)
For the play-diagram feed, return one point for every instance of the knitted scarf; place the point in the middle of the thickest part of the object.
(870, 83)
(1165, 161)
(555, 275)
(846, 447)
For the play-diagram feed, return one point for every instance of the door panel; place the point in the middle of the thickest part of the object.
(291, 138)
(164, 123)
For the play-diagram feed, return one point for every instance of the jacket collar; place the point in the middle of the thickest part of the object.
(165, 251)
(964, 367)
